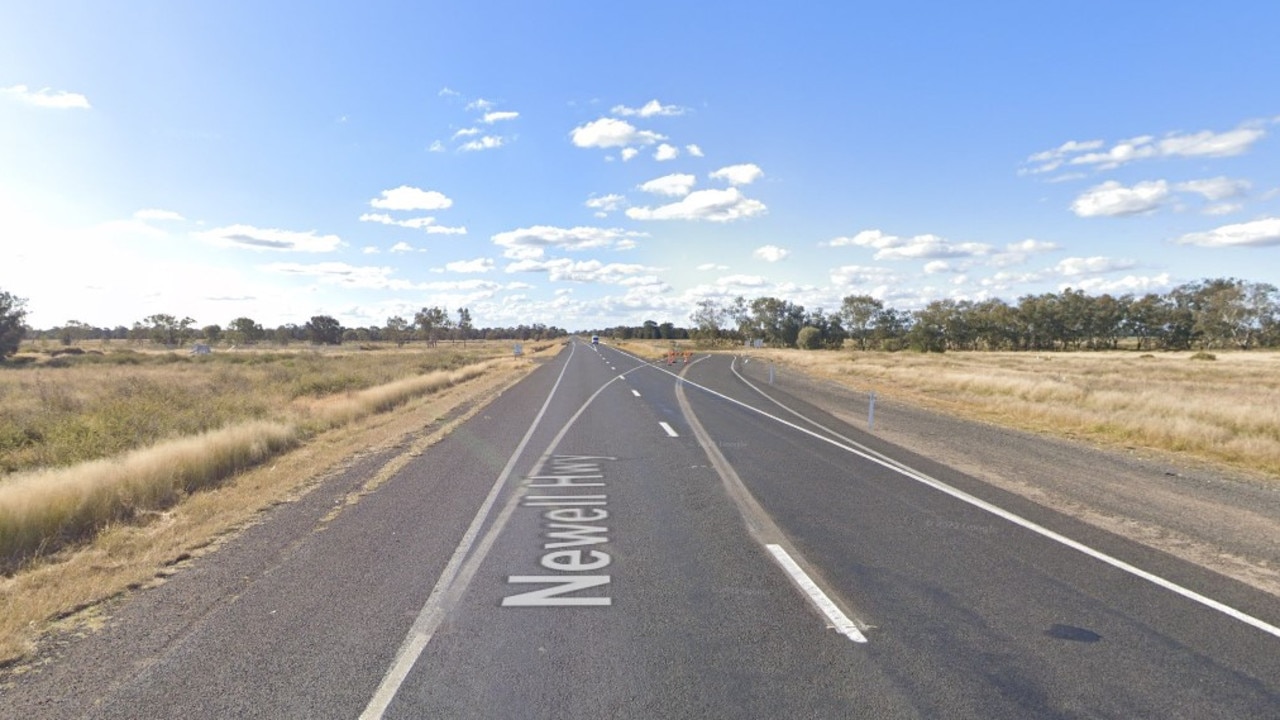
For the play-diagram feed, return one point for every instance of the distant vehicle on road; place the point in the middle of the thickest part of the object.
(595, 339)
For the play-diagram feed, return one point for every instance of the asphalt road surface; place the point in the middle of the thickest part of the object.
(619, 538)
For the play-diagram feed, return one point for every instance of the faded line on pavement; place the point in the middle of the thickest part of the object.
(433, 611)
(464, 563)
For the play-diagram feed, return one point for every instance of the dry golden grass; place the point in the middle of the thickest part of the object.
(131, 433)
(69, 409)
(1225, 411)
(44, 510)
(133, 554)
(650, 349)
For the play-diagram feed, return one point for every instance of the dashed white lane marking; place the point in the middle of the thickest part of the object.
(835, 615)
(636, 393)
(670, 431)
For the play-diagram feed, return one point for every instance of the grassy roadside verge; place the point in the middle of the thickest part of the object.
(1225, 412)
(142, 550)
(1222, 409)
(43, 511)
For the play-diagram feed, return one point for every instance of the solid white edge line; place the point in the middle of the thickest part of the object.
(424, 625)
(670, 430)
(1001, 512)
(835, 616)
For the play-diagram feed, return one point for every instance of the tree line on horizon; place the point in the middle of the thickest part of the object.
(1222, 313)
(429, 325)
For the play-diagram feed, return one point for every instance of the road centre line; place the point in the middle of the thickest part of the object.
(839, 620)
(958, 494)
(424, 626)
(457, 574)
(669, 430)
(635, 392)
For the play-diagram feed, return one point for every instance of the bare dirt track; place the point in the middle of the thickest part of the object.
(1218, 518)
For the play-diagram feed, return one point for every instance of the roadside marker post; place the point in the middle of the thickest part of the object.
(770, 373)
(871, 412)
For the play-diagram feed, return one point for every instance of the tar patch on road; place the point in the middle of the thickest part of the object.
(1075, 634)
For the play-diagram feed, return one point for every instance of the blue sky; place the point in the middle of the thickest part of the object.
(587, 165)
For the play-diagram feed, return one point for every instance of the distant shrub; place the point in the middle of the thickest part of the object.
(1204, 356)
(1146, 356)
(810, 338)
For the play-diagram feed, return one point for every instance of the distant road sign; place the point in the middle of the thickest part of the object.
(517, 350)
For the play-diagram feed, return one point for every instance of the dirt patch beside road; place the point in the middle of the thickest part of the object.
(1218, 518)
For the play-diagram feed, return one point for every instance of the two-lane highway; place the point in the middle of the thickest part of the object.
(620, 538)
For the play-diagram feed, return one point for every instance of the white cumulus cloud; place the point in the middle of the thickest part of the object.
(426, 224)
(1111, 199)
(1210, 144)
(1020, 252)
(411, 198)
(252, 238)
(743, 174)
(713, 205)
(529, 243)
(498, 116)
(1127, 284)
(863, 276)
(918, 247)
(674, 185)
(47, 98)
(693, 150)
(649, 109)
(742, 281)
(585, 271)
(1214, 189)
(1223, 208)
(1258, 233)
(771, 253)
(1097, 265)
(611, 133)
(628, 153)
(605, 204)
(479, 265)
(488, 142)
(1205, 143)
(666, 152)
